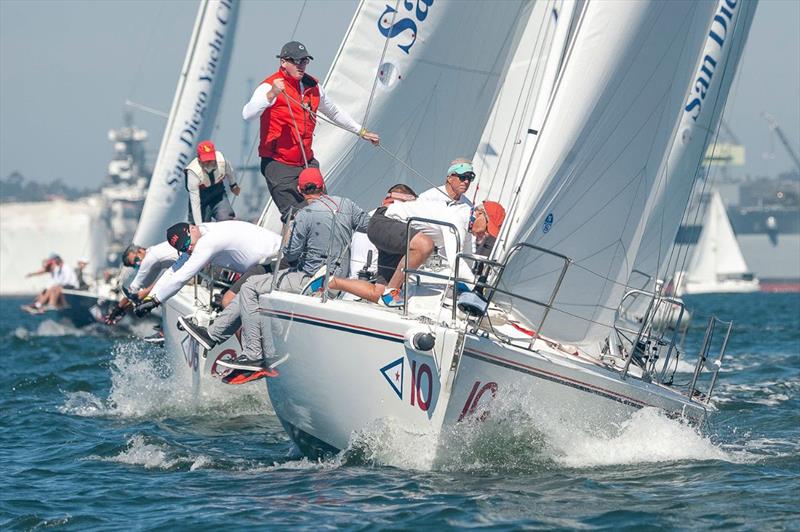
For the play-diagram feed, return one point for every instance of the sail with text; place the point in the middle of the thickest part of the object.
(191, 117)
(399, 73)
(704, 104)
(605, 136)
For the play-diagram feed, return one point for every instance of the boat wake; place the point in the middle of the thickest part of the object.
(512, 440)
(144, 385)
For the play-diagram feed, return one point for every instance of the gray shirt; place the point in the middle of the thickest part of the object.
(324, 228)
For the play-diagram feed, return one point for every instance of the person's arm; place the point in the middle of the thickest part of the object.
(183, 270)
(360, 219)
(231, 177)
(297, 240)
(193, 186)
(37, 272)
(263, 97)
(340, 117)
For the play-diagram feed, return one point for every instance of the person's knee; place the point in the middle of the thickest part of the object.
(422, 243)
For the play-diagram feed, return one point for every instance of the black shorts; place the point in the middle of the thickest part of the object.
(389, 236)
(282, 184)
(257, 269)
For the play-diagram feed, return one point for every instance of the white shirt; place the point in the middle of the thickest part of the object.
(232, 244)
(258, 102)
(440, 194)
(156, 259)
(63, 276)
(442, 236)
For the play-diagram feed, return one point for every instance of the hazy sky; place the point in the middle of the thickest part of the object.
(67, 67)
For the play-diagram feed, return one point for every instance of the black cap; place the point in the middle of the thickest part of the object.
(294, 50)
(177, 235)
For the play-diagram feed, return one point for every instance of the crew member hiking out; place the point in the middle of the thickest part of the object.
(205, 181)
(318, 245)
(287, 102)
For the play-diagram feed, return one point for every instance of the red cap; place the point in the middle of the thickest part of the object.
(308, 177)
(496, 215)
(206, 151)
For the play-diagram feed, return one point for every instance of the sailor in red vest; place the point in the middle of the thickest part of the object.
(287, 102)
(205, 181)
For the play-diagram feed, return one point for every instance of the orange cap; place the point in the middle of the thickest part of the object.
(496, 215)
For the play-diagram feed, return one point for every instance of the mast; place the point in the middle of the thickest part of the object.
(191, 117)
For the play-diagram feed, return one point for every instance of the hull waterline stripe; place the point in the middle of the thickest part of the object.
(559, 379)
(335, 325)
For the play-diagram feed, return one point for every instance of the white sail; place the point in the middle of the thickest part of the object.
(607, 131)
(518, 110)
(431, 98)
(191, 117)
(717, 264)
(705, 102)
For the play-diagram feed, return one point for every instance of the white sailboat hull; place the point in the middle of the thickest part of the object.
(728, 286)
(351, 366)
(189, 358)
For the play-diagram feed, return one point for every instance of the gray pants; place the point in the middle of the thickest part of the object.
(257, 330)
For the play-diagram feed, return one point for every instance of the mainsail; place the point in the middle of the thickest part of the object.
(191, 117)
(705, 102)
(400, 74)
(608, 128)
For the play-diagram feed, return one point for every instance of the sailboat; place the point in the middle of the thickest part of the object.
(717, 264)
(565, 253)
(191, 120)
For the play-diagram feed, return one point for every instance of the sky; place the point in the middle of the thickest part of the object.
(67, 68)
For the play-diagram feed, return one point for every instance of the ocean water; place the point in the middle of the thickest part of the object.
(97, 433)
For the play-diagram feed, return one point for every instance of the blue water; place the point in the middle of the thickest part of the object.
(96, 432)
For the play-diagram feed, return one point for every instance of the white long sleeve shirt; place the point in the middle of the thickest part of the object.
(443, 237)
(259, 102)
(156, 259)
(232, 244)
(440, 194)
(63, 275)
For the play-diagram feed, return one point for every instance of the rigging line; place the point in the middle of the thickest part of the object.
(297, 22)
(380, 63)
(324, 118)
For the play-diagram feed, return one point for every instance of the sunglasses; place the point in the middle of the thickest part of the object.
(474, 216)
(303, 61)
(186, 243)
(466, 176)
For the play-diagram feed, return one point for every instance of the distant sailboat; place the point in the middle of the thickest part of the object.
(717, 265)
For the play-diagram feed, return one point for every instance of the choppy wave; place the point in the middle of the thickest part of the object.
(144, 385)
(154, 455)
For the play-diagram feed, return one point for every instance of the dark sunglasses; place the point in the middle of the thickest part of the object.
(466, 176)
(303, 61)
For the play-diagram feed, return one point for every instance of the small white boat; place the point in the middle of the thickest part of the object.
(717, 264)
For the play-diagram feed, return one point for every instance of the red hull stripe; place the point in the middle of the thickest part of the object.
(553, 377)
(336, 325)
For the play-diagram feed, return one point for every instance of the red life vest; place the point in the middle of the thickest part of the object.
(278, 132)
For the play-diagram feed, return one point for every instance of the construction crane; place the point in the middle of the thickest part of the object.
(773, 125)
